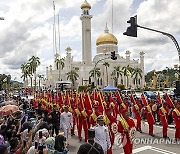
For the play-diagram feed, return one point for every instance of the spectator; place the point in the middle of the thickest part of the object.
(60, 142)
(91, 147)
(50, 143)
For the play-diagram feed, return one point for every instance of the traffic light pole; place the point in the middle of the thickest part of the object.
(166, 34)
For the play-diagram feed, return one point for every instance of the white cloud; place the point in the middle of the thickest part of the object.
(27, 30)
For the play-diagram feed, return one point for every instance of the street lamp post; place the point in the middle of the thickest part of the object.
(95, 69)
(177, 73)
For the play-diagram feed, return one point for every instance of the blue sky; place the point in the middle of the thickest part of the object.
(27, 30)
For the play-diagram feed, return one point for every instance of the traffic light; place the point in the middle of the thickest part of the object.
(113, 55)
(132, 29)
(92, 85)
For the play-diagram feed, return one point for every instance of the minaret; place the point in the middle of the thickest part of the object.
(86, 34)
(142, 68)
(128, 57)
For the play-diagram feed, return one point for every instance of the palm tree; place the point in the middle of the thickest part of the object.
(73, 76)
(106, 64)
(30, 74)
(34, 63)
(127, 70)
(59, 65)
(95, 72)
(137, 72)
(24, 71)
(116, 73)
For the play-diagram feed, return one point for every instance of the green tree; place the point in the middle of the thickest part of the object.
(127, 71)
(117, 72)
(106, 64)
(34, 63)
(137, 72)
(24, 71)
(72, 76)
(95, 73)
(59, 65)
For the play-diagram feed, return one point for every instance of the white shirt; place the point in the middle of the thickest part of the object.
(102, 137)
(66, 120)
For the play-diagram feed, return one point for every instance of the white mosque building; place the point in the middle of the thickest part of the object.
(105, 44)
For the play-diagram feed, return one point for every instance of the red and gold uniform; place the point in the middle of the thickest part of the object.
(124, 126)
(150, 118)
(163, 113)
(137, 110)
(176, 117)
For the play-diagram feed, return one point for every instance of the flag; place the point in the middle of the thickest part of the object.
(88, 102)
(100, 104)
(159, 98)
(168, 100)
(144, 99)
(60, 99)
(132, 99)
(119, 97)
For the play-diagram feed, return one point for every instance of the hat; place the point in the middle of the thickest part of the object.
(61, 133)
(66, 106)
(50, 143)
(91, 132)
(100, 118)
(124, 111)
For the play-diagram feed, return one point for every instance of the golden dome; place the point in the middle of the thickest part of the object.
(85, 5)
(106, 38)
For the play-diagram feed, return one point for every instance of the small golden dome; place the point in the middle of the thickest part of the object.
(85, 5)
(106, 38)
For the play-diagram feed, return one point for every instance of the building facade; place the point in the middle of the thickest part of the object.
(112, 72)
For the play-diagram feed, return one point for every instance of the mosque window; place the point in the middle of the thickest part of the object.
(139, 81)
(89, 80)
(134, 81)
(101, 82)
(98, 81)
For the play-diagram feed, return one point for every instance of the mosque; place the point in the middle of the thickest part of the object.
(105, 44)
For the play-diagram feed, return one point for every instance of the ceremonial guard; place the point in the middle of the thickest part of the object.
(66, 121)
(137, 110)
(111, 123)
(150, 117)
(102, 134)
(126, 127)
(163, 113)
(176, 117)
